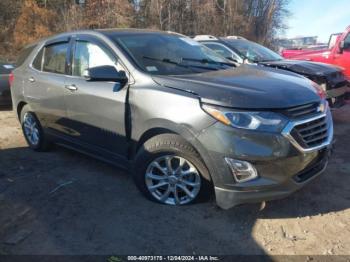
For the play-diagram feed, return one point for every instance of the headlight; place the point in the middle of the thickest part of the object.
(321, 90)
(262, 121)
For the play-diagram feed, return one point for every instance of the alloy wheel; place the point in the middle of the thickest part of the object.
(173, 180)
(31, 129)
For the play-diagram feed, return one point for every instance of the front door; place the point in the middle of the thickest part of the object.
(343, 59)
(96, 110)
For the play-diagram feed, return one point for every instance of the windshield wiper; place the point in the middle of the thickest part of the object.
(167, 60)
(164, 60)
(206, 61)
(268, 60)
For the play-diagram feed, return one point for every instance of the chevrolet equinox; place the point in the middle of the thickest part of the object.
(184, 120)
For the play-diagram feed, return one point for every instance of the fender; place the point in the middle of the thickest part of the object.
(155, 127)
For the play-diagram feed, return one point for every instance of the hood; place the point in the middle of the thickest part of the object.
(304, 67)
(246, 87)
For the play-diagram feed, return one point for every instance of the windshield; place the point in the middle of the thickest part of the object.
(163, 54)
(252, 51)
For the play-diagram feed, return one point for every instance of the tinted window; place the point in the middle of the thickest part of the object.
(24, 54)
(88, 55)
(55, 58)
(167, 54)
(37, 63)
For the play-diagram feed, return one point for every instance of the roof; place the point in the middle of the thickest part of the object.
(131, 31)
(214, 38)
(204, 37)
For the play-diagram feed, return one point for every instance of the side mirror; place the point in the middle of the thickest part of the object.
(105, 73)
(341, 46)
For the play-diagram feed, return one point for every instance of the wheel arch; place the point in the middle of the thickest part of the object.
(176, 129)
(19, 108)
(148, 134)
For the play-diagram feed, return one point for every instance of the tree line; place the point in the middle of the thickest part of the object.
(25, 21)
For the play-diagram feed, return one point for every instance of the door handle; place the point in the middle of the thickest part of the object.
(71, 87)
(31, 79)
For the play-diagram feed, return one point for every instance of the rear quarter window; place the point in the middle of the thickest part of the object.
(37, 63)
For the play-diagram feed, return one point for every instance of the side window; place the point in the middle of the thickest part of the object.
(347, 42)
(55, 58)
(37, 63)
(88, 55)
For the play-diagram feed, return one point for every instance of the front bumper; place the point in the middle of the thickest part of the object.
(227, 198)
(282, 167)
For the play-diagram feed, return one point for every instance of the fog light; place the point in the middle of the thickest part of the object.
(242, 171)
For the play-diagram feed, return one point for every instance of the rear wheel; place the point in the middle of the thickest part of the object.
(32, 130)
(170, 171)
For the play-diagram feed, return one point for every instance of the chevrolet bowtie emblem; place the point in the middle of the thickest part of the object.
(321, 108)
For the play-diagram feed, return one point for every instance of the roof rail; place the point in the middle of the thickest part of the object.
(235, 37)
(204, 37)
(175, 33)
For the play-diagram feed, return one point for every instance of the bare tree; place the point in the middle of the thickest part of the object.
(24, 21)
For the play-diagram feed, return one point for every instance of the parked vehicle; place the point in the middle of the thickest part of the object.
(290, 52)
(330, 78)
(5, 95)
(337, 53)
(182, 118)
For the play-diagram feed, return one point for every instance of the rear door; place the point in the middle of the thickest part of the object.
(96, 110)
(45, 84)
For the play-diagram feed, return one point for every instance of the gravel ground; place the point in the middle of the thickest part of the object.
(62, 202)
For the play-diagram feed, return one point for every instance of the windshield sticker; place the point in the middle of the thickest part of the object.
(189, 41)
(9, 66)
(151, 68)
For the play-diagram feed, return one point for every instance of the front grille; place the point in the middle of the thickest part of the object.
(311, 134)
(303, 111)
(314, 168)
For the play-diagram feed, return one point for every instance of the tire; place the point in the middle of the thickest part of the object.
(151, 170)
(37, 141)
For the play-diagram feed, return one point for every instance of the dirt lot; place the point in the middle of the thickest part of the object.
(63, 202)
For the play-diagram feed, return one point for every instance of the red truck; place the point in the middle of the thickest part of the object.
(292, 52)
(337, 53)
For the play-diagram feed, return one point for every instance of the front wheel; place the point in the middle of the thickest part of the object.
(170, 171)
